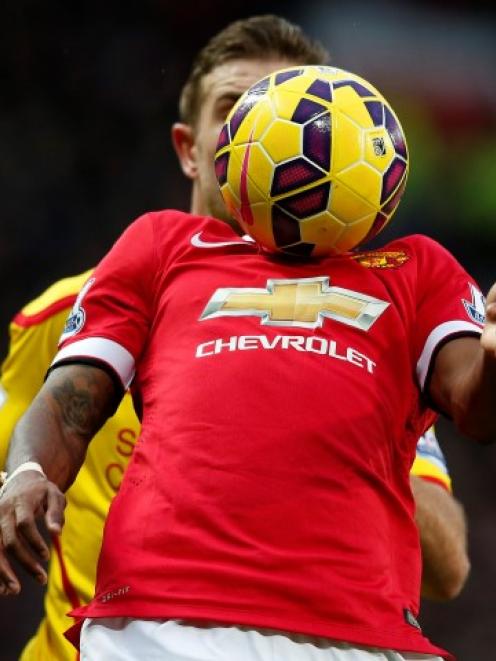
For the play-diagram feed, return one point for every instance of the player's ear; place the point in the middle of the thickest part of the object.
(183, 139)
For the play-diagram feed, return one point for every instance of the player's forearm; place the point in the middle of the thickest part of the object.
(443, 537)
(474, 403)
(464, 386)
(40, 437)
(473, 375)
(55, 431)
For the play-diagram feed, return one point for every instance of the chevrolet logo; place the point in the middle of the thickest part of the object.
(304, 302)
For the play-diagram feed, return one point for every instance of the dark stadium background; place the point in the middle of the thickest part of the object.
(87, 94)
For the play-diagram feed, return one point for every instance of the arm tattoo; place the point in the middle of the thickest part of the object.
(83, 402)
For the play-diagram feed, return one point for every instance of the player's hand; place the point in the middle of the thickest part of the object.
(28, 497)
(488, 339)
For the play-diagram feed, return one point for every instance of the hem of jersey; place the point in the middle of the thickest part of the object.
(437, 336)
(411, 641)
(102, 349)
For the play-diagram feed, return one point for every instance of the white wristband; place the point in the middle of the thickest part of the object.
(26, 466)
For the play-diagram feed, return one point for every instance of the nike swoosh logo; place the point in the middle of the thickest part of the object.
(198, 242)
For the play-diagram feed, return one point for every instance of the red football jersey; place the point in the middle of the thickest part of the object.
(281, 406)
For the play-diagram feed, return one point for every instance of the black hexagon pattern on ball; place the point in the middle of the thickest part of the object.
(317, 139)
(286, 230)
(306, 110)
(307, 203)
(221, 163)
(300, 249)
(294, 174)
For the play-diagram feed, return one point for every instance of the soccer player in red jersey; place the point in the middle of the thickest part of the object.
(34, 335)
(269, 490)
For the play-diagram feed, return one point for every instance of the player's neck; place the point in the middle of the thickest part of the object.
(197, 207)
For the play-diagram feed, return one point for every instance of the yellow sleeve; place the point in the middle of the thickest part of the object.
(33, 339)
(430, 463)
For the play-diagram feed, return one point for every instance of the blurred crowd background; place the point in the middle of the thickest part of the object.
(87, 95)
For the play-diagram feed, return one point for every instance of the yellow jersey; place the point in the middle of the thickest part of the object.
(34, 335)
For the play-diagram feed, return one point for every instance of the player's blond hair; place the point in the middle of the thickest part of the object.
(258, 37)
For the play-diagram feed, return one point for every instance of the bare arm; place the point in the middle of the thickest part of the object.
(464, 379)
(443, 538)
(69, 409)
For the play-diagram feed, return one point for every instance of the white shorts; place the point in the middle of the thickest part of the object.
(127, 639)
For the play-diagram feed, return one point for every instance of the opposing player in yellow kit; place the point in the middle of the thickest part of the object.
(34, 336)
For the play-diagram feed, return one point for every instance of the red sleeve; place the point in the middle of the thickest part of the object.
(449, 303)
(110, 319)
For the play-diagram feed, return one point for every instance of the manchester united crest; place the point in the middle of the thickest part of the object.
(381, 259)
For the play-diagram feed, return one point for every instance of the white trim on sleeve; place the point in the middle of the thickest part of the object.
(100, 348)
(436, 336)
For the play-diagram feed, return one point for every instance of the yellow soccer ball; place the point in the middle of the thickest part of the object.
(312, 161)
